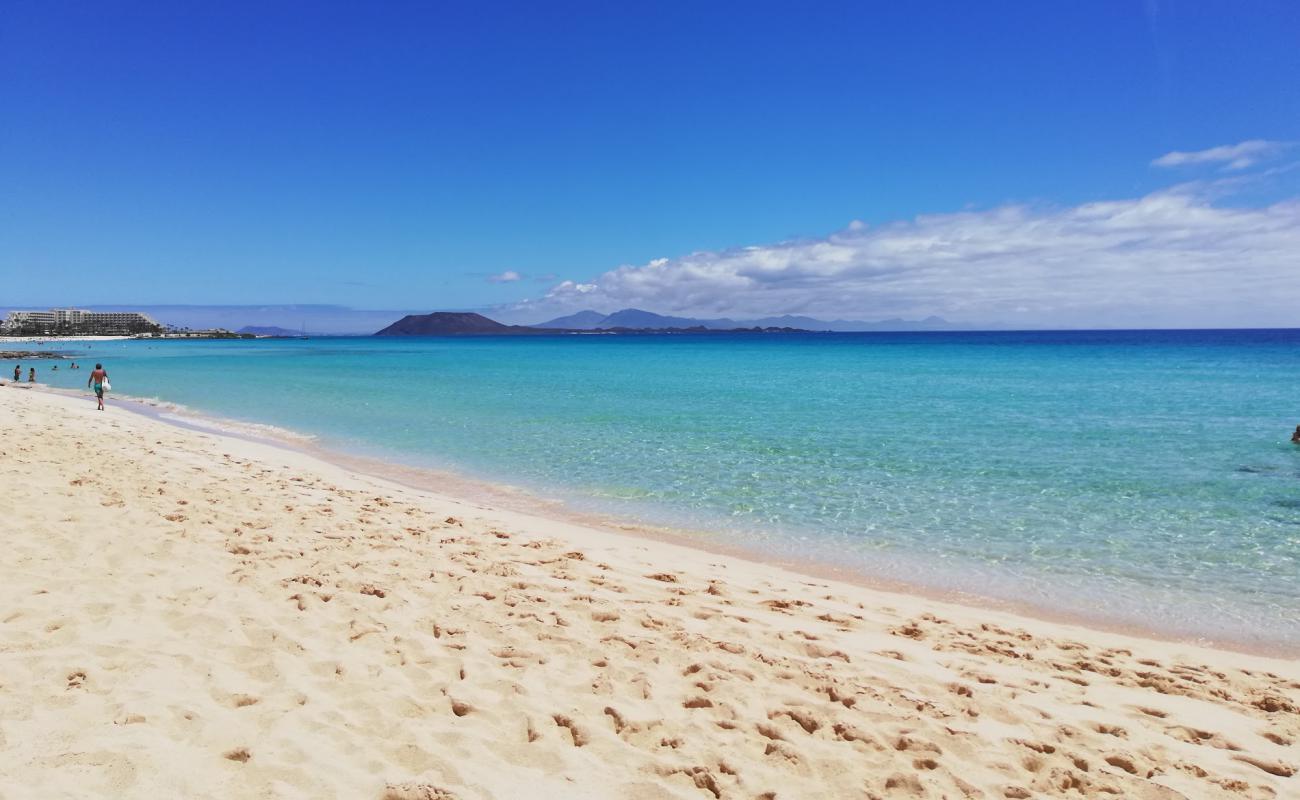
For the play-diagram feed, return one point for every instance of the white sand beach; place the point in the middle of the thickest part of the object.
(190, 615)
(61, 339)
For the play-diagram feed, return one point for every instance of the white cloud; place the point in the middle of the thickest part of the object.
(509, 276)
(1167, 259)
(1232, 156)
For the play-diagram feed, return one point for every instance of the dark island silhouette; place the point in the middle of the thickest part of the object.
(456, 323)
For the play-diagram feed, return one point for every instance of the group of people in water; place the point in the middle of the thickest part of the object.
(97, 382)
(31, 372)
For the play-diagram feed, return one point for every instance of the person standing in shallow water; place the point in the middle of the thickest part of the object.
(18, 372)
(98, 376)
(31, 375)
(1295, 437)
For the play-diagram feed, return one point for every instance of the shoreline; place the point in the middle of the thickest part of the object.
(25, 339)
(504, 496)
(191, 613)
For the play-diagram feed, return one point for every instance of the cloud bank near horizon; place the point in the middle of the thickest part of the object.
(1170, 258)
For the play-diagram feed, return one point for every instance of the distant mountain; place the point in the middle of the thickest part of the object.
(630, 321)
(449, 323)
(635, 318)
(267, 330)
(581, 321)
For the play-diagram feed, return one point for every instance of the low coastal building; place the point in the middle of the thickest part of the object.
(78, 322)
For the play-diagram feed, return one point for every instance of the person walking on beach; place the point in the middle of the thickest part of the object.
(98, 377)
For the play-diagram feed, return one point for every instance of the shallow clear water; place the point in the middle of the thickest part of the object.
(1142, 478)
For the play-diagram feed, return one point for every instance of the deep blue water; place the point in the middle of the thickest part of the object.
(1136, 477)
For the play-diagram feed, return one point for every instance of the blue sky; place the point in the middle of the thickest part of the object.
(401, 155)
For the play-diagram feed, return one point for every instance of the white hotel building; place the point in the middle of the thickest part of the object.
(76, 322)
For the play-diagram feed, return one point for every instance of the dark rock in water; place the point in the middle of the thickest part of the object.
(29, 355)
(1252, 470)
(1287, 502)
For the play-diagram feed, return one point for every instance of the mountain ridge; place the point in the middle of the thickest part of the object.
(638, 318)
(467, 323)
(268, 330)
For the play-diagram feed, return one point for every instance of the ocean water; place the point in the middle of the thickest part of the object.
(1136, 478)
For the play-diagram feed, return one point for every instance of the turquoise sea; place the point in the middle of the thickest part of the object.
(1137, 478)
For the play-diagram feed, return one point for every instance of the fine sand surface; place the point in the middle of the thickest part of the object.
(185, 615)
